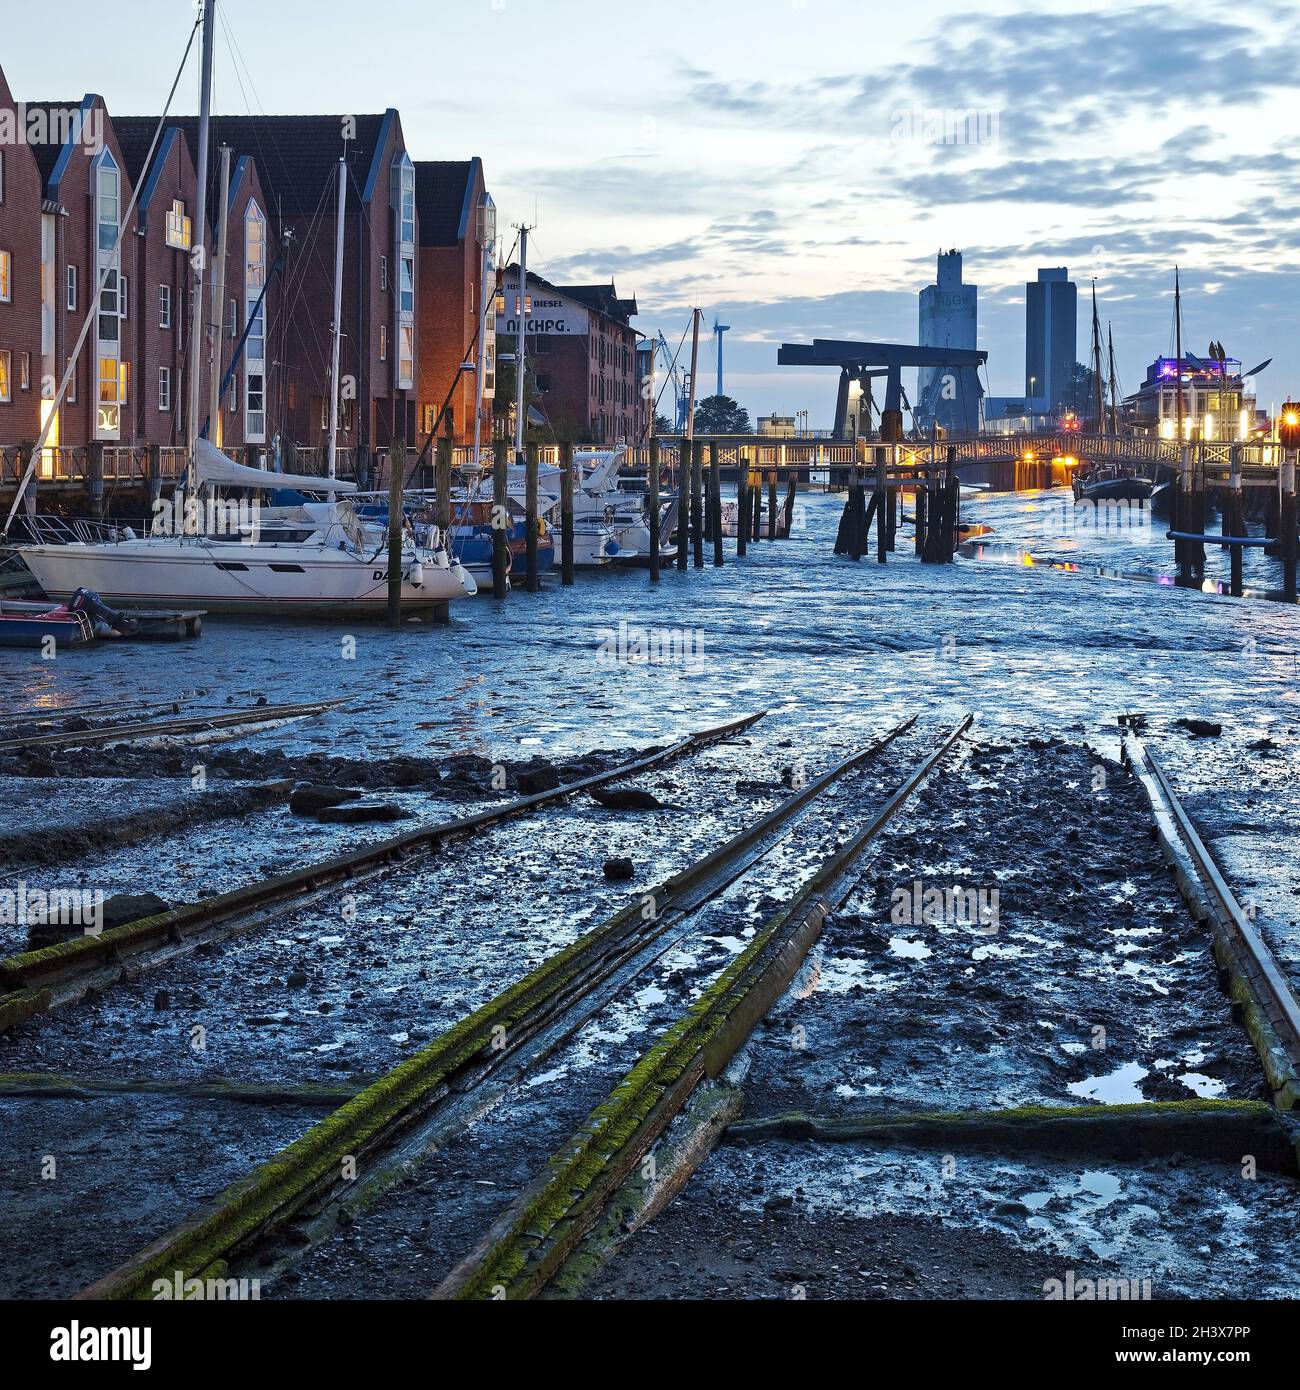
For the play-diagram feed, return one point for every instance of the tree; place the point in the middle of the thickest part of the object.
(721, 415)
(1081, 393)
(662, 424)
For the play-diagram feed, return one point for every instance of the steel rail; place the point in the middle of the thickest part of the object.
(36, 981)
(161, 728)
(530, 1242)
(546, 1006)
(1241, 941)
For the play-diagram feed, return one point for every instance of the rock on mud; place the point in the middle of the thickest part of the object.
(354, 812)
(619, 868)
(311, 798)
(626, 799)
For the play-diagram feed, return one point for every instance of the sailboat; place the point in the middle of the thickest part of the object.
(317, 558)
(1107, 482)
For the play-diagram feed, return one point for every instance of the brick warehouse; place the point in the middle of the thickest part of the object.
(457, 217)
(413, 288)
(582, 352)
(297, 162)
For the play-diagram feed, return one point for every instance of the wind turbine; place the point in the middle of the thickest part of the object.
(718, 330)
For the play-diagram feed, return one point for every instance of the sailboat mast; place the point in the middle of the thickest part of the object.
(218, 294)
(197, 316)
(1096, 364)
(1114, 384)
(336, 328)
(1178, 353)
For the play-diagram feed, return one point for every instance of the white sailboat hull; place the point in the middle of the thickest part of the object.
(226, 577)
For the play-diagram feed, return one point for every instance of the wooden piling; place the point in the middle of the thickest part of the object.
(756, 504)
(396, 469)
(442, 490)
(652, 509)
(500, 522)
(683, 501)
(1234, 523)
(789, 506)
(533, 579)
(771, 506)
(879, 505)
(715, 501)
(1287, 520)
(918, 506)
(742, 503)
(697, 505)
(566, 513)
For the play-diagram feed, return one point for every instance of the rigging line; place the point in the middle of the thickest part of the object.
(95, 303)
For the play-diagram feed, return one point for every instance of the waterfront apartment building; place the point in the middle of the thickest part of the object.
(1051, 326)
(457, 280)
(21, 283)
(948, 397)
(582, 357)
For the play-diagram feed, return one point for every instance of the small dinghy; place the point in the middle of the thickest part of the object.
(36, 624)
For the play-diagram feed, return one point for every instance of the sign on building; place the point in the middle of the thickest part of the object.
(550, 314)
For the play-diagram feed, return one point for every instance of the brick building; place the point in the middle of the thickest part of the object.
(582, 358)
(85, 192)
(456, 217)
(296, 159)
(20, 278)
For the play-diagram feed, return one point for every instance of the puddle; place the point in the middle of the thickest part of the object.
(1118, 1087)
(909, 950)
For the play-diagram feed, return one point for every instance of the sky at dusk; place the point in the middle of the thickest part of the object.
(783, 163)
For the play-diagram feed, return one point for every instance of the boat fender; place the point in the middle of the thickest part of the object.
(415, 575)
(611, 546)
(128, 534)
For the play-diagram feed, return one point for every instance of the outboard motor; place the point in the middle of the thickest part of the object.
(107, 622)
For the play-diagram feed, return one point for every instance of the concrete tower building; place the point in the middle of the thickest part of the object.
(1051, 325)
(948, 396)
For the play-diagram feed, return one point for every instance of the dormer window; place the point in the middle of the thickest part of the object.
(178, 226)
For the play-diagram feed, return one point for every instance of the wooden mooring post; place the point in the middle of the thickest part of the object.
(1287, 519)
(533, 579)
(683, 501)
(919, 495)
(652, 508)
(442, 490)
(715, 502)
(697, 505)
(789, 506)
(771, 506)
(500, 522)
(742, 503)
(879, 505)
(396, 468)
(566, 513)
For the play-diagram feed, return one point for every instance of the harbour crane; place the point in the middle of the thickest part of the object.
(681, 385)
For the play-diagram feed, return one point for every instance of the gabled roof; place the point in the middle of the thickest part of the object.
(297, 156)
(52, 156)
(603, 298)
(444, 198)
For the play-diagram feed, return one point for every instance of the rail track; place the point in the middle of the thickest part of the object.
(1250, 972)
(34, 982)
(189, 727)
(439, 1090)
(598, 1182)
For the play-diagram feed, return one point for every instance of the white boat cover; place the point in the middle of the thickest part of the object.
(212, 466)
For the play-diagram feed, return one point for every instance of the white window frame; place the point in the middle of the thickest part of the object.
(6, 378)
(70, 289)
(383, 342)
(179, 229)
(24, 371)
(7, 284)
(164, 306)
(255, 273)
(403, 201)
(165, 389)
(109, 384)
